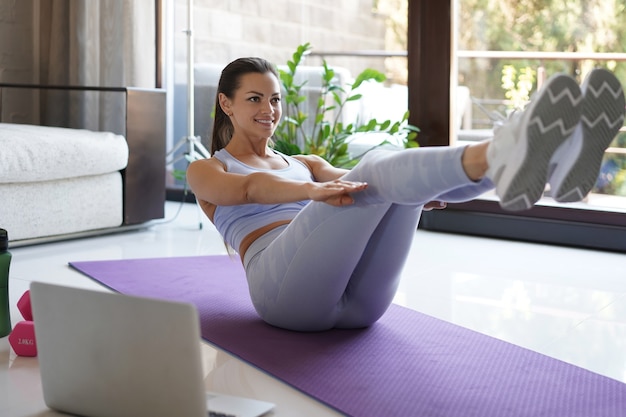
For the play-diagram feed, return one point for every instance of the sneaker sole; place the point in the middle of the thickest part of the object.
(602, 117)
(553, 118)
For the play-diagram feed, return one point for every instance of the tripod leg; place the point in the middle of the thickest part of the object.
(177, 146)
(200, 147)
(200, 214)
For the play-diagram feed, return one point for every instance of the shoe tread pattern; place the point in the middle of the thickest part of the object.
(602, 117)
(553, 118)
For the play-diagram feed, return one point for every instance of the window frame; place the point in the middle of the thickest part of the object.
(431, 71)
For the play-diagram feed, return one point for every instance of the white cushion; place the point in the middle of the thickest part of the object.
(49, 208)
(39, 153)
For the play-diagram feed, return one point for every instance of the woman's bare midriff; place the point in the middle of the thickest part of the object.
(209, 210)
(251, 237)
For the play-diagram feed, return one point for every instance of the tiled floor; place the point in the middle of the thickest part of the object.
(567, 303)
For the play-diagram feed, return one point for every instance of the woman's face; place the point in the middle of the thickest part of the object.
(256, 108)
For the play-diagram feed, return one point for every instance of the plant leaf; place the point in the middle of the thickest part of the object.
(287, 148)
(366, 75)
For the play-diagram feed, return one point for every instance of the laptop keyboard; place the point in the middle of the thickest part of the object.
(218, 414)
(210, 396)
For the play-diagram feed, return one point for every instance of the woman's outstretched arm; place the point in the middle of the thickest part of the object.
(321, 169)
(210, 182)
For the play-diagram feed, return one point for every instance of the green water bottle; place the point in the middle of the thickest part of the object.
(5, 261)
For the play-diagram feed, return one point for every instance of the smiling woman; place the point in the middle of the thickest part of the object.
(324, 247)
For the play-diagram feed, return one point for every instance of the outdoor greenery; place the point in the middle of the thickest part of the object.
(517, 85)
(320, 130)
(539, 25)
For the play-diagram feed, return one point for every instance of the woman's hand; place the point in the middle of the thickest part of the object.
(336, 193)
(434, 205)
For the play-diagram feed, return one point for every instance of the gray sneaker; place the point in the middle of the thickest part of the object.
(575, 166)
(520, 151)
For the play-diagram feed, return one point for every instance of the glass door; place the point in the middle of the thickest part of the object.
(472, 62)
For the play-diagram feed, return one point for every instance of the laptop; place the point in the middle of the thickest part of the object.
(108, 354)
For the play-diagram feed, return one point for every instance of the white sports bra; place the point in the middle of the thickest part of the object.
(236, 222)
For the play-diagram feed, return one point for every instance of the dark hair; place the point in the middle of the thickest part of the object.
(230, 80)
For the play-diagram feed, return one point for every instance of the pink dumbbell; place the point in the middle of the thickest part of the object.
(23, 304)
(22, 338)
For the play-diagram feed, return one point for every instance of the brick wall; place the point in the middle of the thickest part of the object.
(225, 30)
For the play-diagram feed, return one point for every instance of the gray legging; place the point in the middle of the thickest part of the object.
(339, 267)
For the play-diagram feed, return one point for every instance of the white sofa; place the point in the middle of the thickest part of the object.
(64, 182)
(56, 181)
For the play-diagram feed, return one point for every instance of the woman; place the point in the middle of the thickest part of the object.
(324, 247)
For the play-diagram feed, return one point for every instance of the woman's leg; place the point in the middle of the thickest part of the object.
(315, 275)
(417, 176)
(299, 280)
(339, 266)
(375, 278)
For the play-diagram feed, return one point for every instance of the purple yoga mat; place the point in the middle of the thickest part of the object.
(407, 364)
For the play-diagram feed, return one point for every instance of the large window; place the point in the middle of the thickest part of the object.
(470, 60)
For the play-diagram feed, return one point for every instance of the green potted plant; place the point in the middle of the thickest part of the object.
(327, 136)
